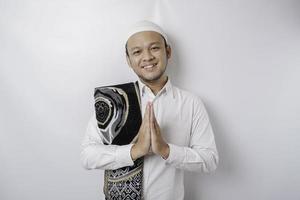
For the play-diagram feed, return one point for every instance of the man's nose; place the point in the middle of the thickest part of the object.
(147, 56)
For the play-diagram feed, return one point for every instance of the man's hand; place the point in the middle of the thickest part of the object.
(149, 137)
(143, 145)
(158, 144)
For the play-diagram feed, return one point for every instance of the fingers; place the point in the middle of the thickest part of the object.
(146, 115)
(153, 119)
(153, 122)
(151, 113)
(152, 126)
(146, 111)
(149, 121)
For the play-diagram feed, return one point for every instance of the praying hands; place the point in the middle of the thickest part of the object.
(149, 137)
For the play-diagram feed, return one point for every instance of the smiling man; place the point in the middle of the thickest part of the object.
(173, 135)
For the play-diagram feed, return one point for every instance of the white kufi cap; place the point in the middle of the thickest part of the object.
(145, 26)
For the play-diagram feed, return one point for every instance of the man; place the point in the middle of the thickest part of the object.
(175, 133)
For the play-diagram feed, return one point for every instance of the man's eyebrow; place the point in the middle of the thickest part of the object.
(155, 43)
(133, 48)
(152, 43)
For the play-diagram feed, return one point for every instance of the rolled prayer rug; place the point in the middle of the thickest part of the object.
(118, 115)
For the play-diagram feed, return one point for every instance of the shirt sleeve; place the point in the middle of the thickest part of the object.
(201, 154)
(95, 155)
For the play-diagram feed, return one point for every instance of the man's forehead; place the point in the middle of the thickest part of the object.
(145, 37)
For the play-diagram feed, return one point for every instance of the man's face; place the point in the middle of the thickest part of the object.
(148, 56)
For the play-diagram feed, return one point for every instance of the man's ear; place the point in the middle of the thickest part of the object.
(169, 51)
(128, 60)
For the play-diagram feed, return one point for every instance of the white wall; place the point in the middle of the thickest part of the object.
(241, 57)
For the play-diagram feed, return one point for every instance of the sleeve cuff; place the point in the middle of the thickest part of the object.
(176, 154)
(123, 155)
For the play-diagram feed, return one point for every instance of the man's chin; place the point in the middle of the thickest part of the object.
(151, 79)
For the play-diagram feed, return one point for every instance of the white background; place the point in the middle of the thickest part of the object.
(241, 57)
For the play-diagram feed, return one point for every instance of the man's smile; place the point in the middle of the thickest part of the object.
(149, 66)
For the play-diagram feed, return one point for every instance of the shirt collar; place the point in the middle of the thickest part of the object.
(167, 88)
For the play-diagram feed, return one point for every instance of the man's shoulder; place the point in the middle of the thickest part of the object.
(187, 95)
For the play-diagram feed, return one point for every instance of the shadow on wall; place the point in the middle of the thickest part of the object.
(175, 69)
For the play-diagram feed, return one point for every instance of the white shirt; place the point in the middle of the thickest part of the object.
(185, 126)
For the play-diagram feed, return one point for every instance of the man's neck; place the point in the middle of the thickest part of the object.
(157, 85)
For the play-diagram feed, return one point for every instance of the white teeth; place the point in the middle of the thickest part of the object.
(148, 66)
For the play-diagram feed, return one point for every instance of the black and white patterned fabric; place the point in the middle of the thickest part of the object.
(119, 118)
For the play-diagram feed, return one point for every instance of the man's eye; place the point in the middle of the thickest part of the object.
(155, 48)
(136, 52)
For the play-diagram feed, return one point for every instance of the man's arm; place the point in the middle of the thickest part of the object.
(201, 154)
(95, 155)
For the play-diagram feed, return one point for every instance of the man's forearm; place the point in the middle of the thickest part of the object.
(106, 156)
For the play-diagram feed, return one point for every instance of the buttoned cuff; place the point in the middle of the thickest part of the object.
(123, 155)
(176, 154)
